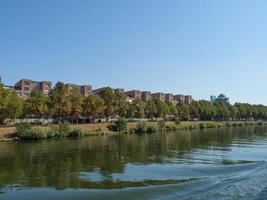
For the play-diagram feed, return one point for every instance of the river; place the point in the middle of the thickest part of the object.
(223, 163)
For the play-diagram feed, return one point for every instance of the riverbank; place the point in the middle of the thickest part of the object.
(9, 133)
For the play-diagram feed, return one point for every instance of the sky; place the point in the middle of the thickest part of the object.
(197, 47)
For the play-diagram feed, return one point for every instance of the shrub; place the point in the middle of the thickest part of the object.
(211, 125)
(77, 132)
(27, 132)
(119, 126)
(151, 129)
(171, 127)
(21, 128)
(260, 123)
(59, 131)
(202, 126)
(177, 122)
(141, 127)
(161, 125)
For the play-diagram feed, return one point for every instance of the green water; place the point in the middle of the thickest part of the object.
(225, 163)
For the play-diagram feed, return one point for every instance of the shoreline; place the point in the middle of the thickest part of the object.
(7, 133)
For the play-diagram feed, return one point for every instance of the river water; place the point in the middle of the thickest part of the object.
(223, 163)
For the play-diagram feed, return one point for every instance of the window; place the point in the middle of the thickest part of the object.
(26, 89)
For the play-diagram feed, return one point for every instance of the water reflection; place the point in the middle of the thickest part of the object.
(122, 161)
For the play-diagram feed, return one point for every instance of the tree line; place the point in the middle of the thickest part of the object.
(63, 106)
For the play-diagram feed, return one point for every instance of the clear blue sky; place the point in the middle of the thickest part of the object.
(198, 47)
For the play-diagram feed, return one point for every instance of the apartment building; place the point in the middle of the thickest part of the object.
(159, 95)
(97, 91)
(169, 97)
(188, 99)
(85, 90)
(24, 87)
(120, 90)
(134, 94)
(146, 96)
(179, 98)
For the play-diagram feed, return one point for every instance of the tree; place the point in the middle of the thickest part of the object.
(120, 104)
(172, 109)
(139, 108)
(108, 96)
(10, 104)
(150, 109)
(59, 103)
(14, 106)
(4, 98)
(36, 105)
(130, 110)
(183, 110)
(93, 106)
(76, 101)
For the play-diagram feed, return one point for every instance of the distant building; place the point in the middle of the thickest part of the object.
(188, 99)
(169, 97)
(179, 98)
(97, 91)
(121, 90)
(85, 90)
(146, 96)
(134, 94)
(213, 99)
(220, 99)
(24, 87)
(159, 95)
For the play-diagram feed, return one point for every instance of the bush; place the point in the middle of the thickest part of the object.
(171, 127)
(161, 125)
(177, 122)
(27, 132)
(21, 128)
(119, 126)
(141, 127)
(151, 129)
(211, 125)
(77, 132)
(59, 131)
(202, 126)
(260, 123)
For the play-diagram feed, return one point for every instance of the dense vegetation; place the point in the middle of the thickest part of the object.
(73, 107)
(62, 130)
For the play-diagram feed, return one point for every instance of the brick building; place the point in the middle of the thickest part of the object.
(24, 87)
(188, 99)
(134, 94)
(160, 96)
(85, 90)
(179, 98)
(146, 96)
(169, 97)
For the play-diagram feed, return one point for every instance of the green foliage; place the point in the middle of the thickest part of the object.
(28, 132)
(119, 126)
(58, 102)
(151, 129)
(11, 106)
(36, 105)
(141, 127)
(93, 106)
(60, 130)
(139, 108)
(109, 98)
(162, 125)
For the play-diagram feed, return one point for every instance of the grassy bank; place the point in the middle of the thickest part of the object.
(102, 128)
